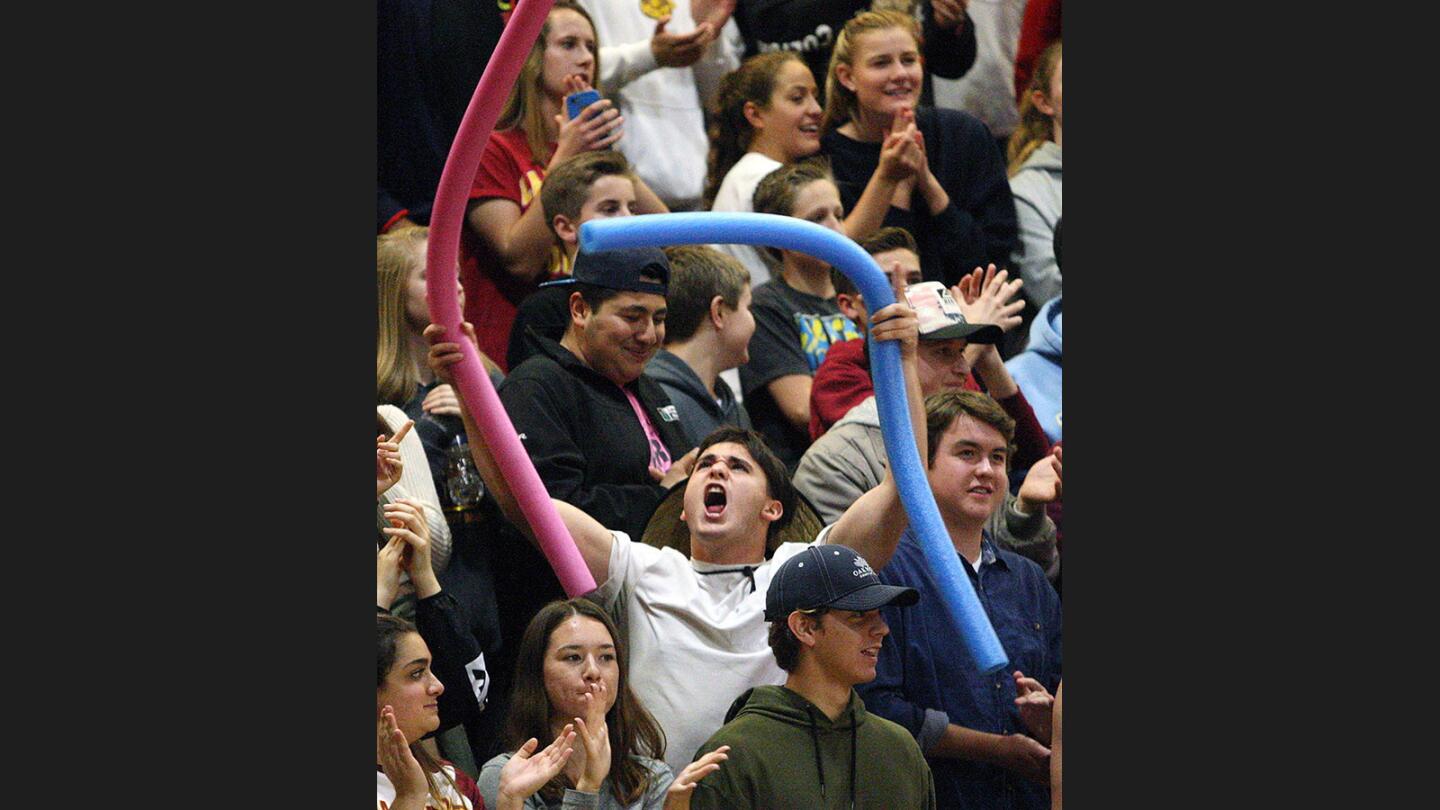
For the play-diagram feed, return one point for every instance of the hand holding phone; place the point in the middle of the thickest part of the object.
(575, 103)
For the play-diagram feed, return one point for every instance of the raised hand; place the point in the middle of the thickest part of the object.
(527, 772)
(1036, 704)
(389, 466)
(900, 156)
(988, 297)
(408, 525)
(897, 321)
(399, 764)
(714, 12)
(595, 737)
(678, 796)
(596, 127)
(680, 50)
(948, 13)
(1042, 484)
(387, 572)
(679, 469)
(443, 353)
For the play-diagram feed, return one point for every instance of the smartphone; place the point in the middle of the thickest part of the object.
(575, 103)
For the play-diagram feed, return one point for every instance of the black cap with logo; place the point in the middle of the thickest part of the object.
(830, 576)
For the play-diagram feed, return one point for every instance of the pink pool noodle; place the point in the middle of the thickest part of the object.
(446, 219)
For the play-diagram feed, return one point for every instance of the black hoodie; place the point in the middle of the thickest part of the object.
(785, 753)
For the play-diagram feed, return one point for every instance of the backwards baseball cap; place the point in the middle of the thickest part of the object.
(643, 270)
(830, 576)
(941, 318)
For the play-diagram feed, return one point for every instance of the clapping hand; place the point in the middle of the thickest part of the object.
(678, 796)
(986, 296)
(595, 737)
(527, 772)
(399, 764)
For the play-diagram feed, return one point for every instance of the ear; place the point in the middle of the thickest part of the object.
(842, 74)
(579, 310)
(803, 626)
(569, 232)
(850, 305)
(772, 511)
(752, 115)
(1042, 103)
(717, 313)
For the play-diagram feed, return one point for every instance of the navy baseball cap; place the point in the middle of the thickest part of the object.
(643, 270)
(832, 576)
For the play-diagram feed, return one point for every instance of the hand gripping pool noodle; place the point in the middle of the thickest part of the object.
(658, 230)
(445, 221)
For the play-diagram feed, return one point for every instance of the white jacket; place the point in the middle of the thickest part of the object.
(663, 107)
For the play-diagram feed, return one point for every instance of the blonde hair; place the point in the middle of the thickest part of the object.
(397, 253)
(523, 108)
(840, 101)
(1035, 126)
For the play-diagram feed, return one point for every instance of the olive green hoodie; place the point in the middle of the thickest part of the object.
(785, 753)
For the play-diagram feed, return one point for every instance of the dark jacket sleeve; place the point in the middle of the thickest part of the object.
(948, 53)
(538, 413)
(458, 662)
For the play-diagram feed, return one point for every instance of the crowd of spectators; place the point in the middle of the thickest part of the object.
(765, 629)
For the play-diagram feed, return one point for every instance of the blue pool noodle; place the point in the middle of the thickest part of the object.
(840, 252)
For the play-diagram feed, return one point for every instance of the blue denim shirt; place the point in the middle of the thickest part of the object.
(925, 672)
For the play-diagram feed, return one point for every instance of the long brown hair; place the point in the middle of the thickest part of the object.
(633, 731)
(1035, 126)
(390, 630)
(730, 131)
(396, 254)
(840, 101)
(523, 108)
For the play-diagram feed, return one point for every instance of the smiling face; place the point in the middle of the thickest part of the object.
(728, 498)
(968, 476)
(580, 655)
(619, 338)
(788, 127)
(885, 73)
(412, 689)
(569, 50)
(847, 644)
(610, 196)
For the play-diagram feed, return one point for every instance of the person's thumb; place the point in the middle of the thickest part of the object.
(660, 25)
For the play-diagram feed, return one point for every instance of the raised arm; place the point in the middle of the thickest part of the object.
(873, 524)
(590, 537)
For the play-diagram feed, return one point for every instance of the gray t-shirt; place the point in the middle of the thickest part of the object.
(793, 332)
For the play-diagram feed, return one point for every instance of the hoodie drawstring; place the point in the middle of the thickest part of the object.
(854, 753)
(748, 571)
(819, 766)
